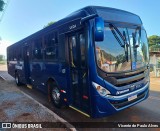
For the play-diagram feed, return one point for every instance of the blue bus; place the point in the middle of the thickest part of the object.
(95, 60)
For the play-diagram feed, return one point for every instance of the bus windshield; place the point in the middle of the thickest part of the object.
(122, 51)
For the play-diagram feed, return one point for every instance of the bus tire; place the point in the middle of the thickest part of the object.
(55, 94)
(17, 80)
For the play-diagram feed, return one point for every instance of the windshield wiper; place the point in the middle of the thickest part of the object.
(115, 35)
(123, 37)
(134, 47)
(126, 46)
(120, 34)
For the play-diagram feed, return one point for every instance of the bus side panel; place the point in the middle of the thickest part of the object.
(58, 72)
(42, 72)
(37, 73)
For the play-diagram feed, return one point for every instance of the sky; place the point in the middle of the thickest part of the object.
(25, 17)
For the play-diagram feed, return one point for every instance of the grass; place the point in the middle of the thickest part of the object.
(2, 62)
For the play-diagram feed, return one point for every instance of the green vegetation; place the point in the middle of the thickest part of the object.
(155, 46)
(153, 40)
(1, 57)
(50, 23)
(1, 5)
(2, 60)
(108, 56)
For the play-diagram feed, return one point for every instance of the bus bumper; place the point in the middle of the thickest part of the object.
(109, 104)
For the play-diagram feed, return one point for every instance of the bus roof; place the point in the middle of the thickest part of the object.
(108, 14)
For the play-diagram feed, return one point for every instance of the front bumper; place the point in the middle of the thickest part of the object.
(111, 104)
(121, 102)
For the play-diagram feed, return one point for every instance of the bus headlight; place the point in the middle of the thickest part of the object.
(101, 90)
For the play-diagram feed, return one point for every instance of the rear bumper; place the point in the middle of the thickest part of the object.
(111, 104)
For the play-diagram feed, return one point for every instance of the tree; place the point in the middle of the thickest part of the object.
(1, 57)
(1, 5)
(50, 23)
(154, 40)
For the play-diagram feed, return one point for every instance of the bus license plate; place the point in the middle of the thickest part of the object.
(132, 97)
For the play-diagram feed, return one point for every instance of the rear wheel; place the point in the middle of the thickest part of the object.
(17, 80)
(55, 94)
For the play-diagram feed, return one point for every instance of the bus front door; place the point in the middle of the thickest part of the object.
(78, 72)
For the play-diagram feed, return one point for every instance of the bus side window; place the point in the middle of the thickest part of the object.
(51, 42)
(61, 48)
(37, 49)
(14, 54)
(50, 53)
(19, 53)
(11, 55)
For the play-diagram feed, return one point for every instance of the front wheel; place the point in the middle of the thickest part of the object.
(55, 94)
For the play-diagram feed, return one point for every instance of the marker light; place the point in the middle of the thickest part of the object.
(101, 90)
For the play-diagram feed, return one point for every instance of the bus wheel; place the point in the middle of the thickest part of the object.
(17, 79)
(55, 94)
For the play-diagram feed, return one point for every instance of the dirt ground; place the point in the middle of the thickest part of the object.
(154, 82)
(17, 107)
(3, 67)
(4, 74)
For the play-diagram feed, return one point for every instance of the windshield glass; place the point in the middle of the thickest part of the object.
(116, 54)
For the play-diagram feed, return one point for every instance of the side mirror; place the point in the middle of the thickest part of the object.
(99, 29)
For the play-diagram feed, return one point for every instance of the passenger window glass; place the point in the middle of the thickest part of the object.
(61, 48)
(51, 42)
(19, 54)
(37, 54)
(14, 54)
(50, 53)
(73, 54)
(37, 49)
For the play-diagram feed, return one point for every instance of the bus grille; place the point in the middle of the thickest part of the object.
(120, 80)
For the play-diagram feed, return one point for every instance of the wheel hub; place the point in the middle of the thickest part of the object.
(56, 95)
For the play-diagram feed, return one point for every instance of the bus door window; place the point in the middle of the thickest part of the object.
(83, 77)
(83, 50)
(73, 54)
(83, 58)
(74, 69)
